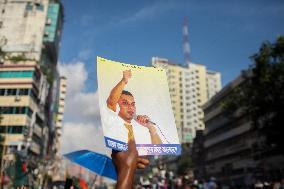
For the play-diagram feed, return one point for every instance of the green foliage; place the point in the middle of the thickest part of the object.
(17, 58)
(16, 173)
(184, 165)
(2, 53)
(48, 73)
(262, 95)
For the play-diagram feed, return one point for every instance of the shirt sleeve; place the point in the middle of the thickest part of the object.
(113, 125)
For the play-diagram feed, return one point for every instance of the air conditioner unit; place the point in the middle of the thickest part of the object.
(17, 98)
(46, 34)
(48, 21)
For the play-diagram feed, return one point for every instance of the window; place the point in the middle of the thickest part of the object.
(2, 129)
(14, 92)
(16, 74)
(24, 92)
(17, 129)
(39, 7)
(29, 6)
(16, 110)
(9, 92)
(2, 92)
(12, 129)
(30, 112)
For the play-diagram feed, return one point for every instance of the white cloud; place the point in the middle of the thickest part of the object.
(85, 54)
(151, 11)
(76, 77)
(78, 136)
(81, 125)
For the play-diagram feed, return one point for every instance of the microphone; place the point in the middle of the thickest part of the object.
(148, 121)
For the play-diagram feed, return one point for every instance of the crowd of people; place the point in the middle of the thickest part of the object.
(185, 182)
(126, 164)
(169, 181)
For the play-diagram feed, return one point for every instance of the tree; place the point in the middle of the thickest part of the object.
(262, 95)
(184, 165)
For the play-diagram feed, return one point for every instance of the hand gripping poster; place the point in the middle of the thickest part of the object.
(135, 104)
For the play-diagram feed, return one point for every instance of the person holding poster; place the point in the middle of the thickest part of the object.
(126, 116)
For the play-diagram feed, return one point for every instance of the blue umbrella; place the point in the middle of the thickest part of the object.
(98, 163)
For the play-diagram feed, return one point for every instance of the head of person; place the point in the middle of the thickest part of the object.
(127, 106)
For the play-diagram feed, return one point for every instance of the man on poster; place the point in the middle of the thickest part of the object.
(126, 124)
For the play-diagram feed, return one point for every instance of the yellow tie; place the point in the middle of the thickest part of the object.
(130, 131)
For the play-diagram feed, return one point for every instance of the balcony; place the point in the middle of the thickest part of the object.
(15, 119)
(37, 130)
(35, 148)
(227, 135)
(14, 101)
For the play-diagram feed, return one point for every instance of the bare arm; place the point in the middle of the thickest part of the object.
(125, 164)
(117, 90)
(155, 138)
(144, 121)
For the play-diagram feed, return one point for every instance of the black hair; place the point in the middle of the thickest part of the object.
(126, 93)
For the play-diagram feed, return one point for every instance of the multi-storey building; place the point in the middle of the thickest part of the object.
(213, 83)
(30, 32)
(58, 172)
(60, 110)
(190, 87)
(234, 152)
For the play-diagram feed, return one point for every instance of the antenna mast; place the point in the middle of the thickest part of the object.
(186, 47)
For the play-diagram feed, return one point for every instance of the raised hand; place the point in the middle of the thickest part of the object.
(126, 75)
(144, 121)
(142, 162)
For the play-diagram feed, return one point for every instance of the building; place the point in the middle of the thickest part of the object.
(190, 87)
(30, 32)
(197, 155)
(233, 150)
(58, 172)
(213, 83)
(60, 111)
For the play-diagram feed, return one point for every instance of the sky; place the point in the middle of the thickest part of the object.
(222, 35)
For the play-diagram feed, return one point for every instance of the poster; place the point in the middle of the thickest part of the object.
(135, 104)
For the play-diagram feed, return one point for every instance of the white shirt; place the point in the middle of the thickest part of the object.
(113, 126)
